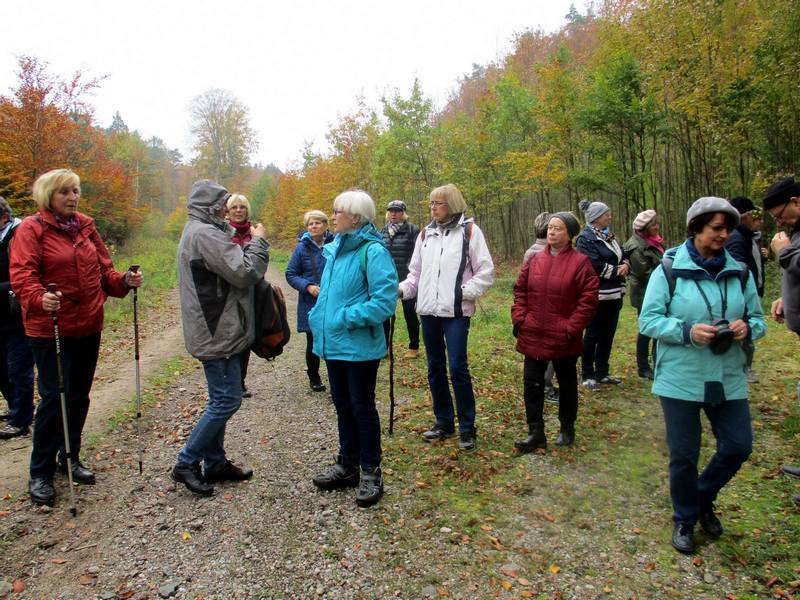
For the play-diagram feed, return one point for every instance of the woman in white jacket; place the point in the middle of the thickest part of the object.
(451, 268)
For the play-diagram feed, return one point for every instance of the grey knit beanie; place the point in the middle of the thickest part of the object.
(592, 210)
(710, 204)
(570, 222)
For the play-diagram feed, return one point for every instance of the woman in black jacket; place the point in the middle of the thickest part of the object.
(399, 236)
(598, 243)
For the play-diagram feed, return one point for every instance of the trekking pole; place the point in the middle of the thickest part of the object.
(135, 269)
(52, 288)
(391, 375)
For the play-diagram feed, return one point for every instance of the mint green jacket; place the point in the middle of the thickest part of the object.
(684, 370)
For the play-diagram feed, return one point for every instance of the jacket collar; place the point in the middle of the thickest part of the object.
(684, 266)
(49, 218)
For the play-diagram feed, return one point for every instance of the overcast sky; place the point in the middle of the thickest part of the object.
(297, 65)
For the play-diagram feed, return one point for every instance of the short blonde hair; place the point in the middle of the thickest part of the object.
(238, 199)
(45, 185)
(314, 214)
(449, 192)
(357, 203)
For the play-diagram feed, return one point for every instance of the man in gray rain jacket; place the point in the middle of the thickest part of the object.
(215, 280)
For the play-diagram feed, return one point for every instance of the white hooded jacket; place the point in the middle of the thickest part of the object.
(451, 268)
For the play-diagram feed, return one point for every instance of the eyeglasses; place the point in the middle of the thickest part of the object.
(777, 217)
(435, 203)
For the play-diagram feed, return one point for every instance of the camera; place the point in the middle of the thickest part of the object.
(723, 338)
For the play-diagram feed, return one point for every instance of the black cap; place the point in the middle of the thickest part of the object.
(781, 192)
(742, 204)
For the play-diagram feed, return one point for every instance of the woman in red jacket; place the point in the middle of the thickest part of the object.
(555, 297)
(62, 246)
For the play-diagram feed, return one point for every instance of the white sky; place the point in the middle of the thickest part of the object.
(297, 65)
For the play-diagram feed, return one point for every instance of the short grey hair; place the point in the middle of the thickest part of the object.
(540, 224)
(357, 203)
(5, 208)
(314, 214)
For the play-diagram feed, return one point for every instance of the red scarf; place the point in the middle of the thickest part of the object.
(656, 241)
(242, 235)
(69, 224)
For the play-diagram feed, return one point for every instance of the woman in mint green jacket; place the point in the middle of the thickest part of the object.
(700, 316)
(358, 292)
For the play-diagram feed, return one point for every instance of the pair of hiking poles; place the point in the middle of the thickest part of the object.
(52, 288)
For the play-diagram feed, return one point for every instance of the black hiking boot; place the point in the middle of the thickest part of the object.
(683, 538)
(229, 472)
(438, 432)
(536, 439)
(566, 437)
(370, 487)
(192, 477)
(80, 474)
(468, 440)
(336, 476)
(710, 523)
(316, 384)
(42, 491)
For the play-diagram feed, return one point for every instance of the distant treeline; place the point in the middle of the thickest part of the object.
(643, 104)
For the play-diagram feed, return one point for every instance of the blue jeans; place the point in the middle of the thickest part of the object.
(353, 392)
(207, 440)
(441, 336)
(16, 377)
(730, 422)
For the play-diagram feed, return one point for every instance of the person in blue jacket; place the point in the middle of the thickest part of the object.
(304, 273)
(701, 323)
(358, 292)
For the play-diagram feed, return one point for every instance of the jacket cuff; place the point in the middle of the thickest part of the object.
(687, 334)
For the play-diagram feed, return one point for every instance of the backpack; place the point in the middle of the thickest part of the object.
(272, 326)
(666, 265)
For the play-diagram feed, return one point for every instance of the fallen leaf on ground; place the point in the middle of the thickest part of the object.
(554, 569)
(506, 585)
(186, 536)
(697, 561)
(58, 561)
(18, 586)
(87, 579)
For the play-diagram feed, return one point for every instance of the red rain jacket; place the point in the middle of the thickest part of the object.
(43, 253)
(555, 297)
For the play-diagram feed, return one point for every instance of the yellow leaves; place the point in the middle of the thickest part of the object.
(186, 536)
(554, 569)
(506, 585)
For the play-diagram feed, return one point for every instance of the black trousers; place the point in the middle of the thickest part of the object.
(78, 362)
(412, 324)
(312, 360)
(567, 376)
(244, 361)
(599, 338)
(643, 352)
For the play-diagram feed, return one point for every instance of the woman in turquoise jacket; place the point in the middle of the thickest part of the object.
(358, 292)
(700, 315)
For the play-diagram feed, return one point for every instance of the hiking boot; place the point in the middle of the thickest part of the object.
(316, 384)
(646, 373)
(8, 431)
(566, 436)
(412, 353)
(710, 522)
(467, 440)
(245, 392)
(551, 394)
(42, 491)
(438, 432)
(536, 439)
(192, 477)
(791, 470)
(370, 487)
(336, 476)
(683, 538)
(589, 384)
(229, 472)
(80, 474)
(608, 380)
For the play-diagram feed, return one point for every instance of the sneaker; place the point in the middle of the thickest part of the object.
(438, 432)
(370, 487)
(412, 353)
(42, 491)
(608, 380)
(337, 476)
(589, 384)
(683, 538)
(710, 522)
(229, 472)
(467, 440)
(551, 394)
(8, 431)
(192, 477)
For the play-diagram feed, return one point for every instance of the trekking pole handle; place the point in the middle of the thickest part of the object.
(134, 268)
(52, 288)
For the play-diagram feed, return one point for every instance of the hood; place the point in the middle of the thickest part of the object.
(305, 238)
(350, 241)
(207, 198)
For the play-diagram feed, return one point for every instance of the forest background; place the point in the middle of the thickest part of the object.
(640, 104)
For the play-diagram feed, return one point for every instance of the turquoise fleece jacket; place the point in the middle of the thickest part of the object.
(358, 292)
(684, 370)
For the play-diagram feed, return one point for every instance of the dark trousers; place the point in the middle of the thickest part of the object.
(312, 360)
(78, 362)
(643, 353)
(16, 377)
(412, 324)
(730, 422)
(353, 392)
(244, 361)
(534, 382)
(446, 342)
(599, 338)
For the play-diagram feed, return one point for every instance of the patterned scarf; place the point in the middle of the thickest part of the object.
(603, 234)
(451, 222)
(393, 228)
(69, 224)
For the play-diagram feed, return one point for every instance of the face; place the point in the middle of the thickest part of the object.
(64, 201)
(316, 227)
(343, 222)
(439, 209)
(603, 220)
(557, 235)
(714, 234)
(653, 229)
(395, 216)
(787, 214)
(237, 213)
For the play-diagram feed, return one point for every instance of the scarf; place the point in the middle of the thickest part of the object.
(604, 234)
(393, 228)
(451, 222)
(656, 241)
(69, 224)
(242, 235)
(712, 265)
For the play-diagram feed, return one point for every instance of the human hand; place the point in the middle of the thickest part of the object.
(779, 241)
(313, 290)
(135, 278)
(764, 253)
(702, 333)
(51, 301)
(739, 329)
(257, 230)
(777, 310)
(623, 270)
